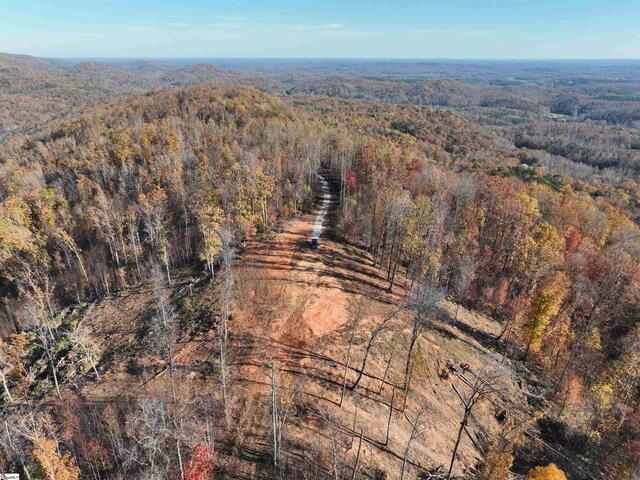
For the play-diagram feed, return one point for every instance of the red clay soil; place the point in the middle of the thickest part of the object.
(294, 308)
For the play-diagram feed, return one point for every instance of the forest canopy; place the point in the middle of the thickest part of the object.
(540, 234)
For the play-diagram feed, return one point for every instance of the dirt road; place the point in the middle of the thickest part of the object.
(306, 301)
(294, 308)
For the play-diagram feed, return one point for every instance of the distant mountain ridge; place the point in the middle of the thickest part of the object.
(35, 91)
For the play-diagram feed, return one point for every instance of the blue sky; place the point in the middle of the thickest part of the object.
(323, 28)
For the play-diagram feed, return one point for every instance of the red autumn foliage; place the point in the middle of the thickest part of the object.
(351, 179)
(573, 241)
(200, 465)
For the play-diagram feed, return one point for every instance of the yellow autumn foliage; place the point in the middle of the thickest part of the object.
(550, 472)
(15, 233)
(54, 466)
(602, 394)
(545, 304)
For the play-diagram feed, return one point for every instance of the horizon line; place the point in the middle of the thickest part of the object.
(214, 57)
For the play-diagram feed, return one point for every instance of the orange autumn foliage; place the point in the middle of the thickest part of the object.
(54, 466)
(550, 472)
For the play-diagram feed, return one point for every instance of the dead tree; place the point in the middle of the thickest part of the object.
(227, 281)
(274, 415)
(5, 385)
(225, 297)
(416, 430)
(164, 335)
(357, 462)
(38, 290)
(16, 432)
(374, 334)
(82, 339)
(6, 367)
(163, 327)
(356, 318)
(183, 425)
(422, 307)
(478, 387)
(280, 412)
(223, 375)
(150, 429)
(328, 418)
(466, 273)
(388, 366)
(46, 341)
(227, 252)
(393, 397)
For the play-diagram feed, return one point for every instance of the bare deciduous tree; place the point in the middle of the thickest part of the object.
(164, 334)
(393, 397)
(46, 341)
(223, 375)
(280, 409)
(478, 387)
(81, 337)
(328, 418)
(422, 307)
(466, 273)
(5, 370)
(227, 280)
(379, 329)
(16, 430)
(150, 429)
(347, 362)
(226, 290)
(357, 461)
(417, 425)
(38, 290)
(274, 414)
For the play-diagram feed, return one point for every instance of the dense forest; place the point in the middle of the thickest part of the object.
(531, 223)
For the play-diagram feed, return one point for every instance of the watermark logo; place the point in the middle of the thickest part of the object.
(9, 476)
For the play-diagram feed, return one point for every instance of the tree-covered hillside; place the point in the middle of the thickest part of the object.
(439, 206)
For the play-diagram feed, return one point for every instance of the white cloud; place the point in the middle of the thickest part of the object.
(303, 27)
(448, 31)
